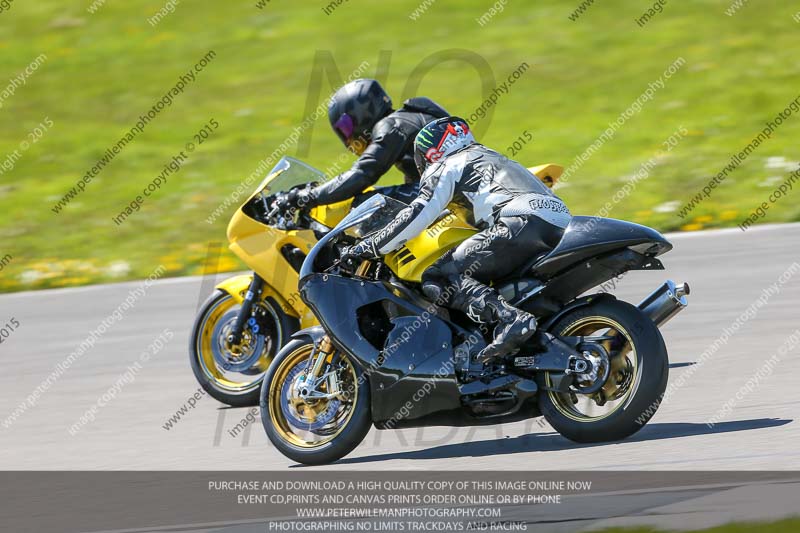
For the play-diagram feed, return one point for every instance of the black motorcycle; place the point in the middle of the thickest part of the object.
(385, 356)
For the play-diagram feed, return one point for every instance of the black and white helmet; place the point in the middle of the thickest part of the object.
(355, 109)
(439, 139)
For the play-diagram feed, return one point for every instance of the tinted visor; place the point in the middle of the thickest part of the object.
(344, 127)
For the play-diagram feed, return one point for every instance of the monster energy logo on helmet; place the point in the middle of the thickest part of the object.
(425, 137)
(439, 139)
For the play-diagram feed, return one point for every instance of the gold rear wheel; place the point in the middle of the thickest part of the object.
(622, 363)
(623, 389)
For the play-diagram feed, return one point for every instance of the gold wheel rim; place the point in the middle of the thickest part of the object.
(623, 362)
(276, 400)
(206, 351)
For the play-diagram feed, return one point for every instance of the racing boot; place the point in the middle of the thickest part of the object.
(513, 328)
(484, 305)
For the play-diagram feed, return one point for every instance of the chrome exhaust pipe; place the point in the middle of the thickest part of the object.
(665, 302)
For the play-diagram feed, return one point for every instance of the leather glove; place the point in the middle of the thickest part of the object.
(295, 199)
(364, 249)
(305, 198)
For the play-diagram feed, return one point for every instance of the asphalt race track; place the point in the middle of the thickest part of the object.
(728, 271)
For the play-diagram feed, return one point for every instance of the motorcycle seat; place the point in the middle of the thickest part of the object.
(525, 269)
(587, 237)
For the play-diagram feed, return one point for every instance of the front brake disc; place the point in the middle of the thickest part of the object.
(323, 410)
(249, 350)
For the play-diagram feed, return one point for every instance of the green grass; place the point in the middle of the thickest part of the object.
(105, 69)
(784, 526)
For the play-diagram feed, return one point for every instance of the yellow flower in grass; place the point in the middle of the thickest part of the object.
(160, 37)
(49, 274)
(691, 227)
(703, 219)
(172, 266)
(730, 214)
(227, 263)
(74, 265)
(73, 281)
(173, 262)
(41, 266)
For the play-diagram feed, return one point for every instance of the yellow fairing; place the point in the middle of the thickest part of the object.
(259, 246)
(332, 214)
(419, 253)
(237, 287)
(548, 173)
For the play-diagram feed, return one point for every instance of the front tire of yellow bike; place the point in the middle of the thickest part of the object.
(233, 374)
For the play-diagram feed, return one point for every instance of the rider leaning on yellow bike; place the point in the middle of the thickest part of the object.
(362, 117)
(247, 319)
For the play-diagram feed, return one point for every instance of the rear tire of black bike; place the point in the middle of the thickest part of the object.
(650, 373)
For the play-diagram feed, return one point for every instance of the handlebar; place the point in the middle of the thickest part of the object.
(273, 213)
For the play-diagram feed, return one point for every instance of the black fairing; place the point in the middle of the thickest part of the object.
(412, 374)
(548, 298)
(588, 237)
(406, 351)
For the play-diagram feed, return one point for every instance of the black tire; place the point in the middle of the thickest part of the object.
(646, 392)
(351, 435)
(285, 326)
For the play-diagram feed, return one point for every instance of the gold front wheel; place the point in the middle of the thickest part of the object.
(233, 373)
(314, 403)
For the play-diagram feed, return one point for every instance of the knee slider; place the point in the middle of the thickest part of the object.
(432, 289)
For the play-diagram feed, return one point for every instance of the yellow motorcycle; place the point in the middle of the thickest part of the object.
(249, 318)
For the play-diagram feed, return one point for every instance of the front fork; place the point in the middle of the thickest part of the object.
(253, 295)
(323, 351)
(314, 373)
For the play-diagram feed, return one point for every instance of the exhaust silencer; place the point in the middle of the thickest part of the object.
(665, 302)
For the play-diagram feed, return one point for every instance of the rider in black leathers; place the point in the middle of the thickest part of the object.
(361, 115)
(518, 215)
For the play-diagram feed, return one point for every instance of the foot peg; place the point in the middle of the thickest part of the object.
(552, 354)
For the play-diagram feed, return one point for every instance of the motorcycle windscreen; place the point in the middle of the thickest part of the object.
(389, 209)
(287, 173)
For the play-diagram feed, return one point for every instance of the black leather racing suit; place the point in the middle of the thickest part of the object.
(392, 143)
(518, 215)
